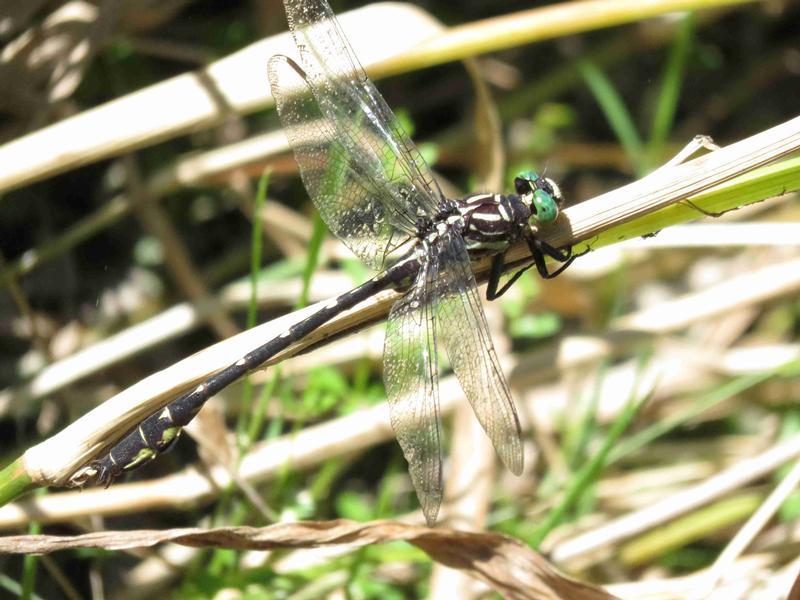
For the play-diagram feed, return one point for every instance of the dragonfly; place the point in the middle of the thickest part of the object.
(376, 193)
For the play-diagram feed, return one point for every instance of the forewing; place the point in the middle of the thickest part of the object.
(463, 331)
(359, 113)
(350, 201)
(412, 387)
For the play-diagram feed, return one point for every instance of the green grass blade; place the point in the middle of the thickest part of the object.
(590, 472)
(13, 587)
(757, 185)
(577, 440)
(695, 526)
(312, 260)
(671, 83)
(30, 562)
(256, 248)
(715, 397)
(14, 481)
(615, 111)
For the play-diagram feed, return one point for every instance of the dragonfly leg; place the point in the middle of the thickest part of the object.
(493, 288)
(539, 249)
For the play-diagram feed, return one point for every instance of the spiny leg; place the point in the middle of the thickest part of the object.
(493, 288)
(539, 250)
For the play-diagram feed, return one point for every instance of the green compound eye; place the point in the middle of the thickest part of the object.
(546, 209)
(525, 182)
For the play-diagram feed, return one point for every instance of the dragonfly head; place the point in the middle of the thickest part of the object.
(541, 194)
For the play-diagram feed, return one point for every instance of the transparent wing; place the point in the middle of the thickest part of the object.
(349, 199)
(412, 387)
(360, 115)
(461, 326)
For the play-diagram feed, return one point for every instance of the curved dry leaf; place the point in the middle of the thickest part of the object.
(506, 564)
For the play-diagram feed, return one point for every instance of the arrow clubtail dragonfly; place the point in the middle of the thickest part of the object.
(378, 196)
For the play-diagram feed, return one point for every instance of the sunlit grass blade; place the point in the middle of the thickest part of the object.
(614, 109)
(578, 436)
(30, 562)
(256, 247)
(712, 399)
(700, 524)
(586, 477)
(669, 93)
(312, 260)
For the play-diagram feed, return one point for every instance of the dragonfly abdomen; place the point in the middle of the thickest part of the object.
(157, 434)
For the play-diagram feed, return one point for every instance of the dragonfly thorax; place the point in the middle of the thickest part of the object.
(492, 222)
(449, 217)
